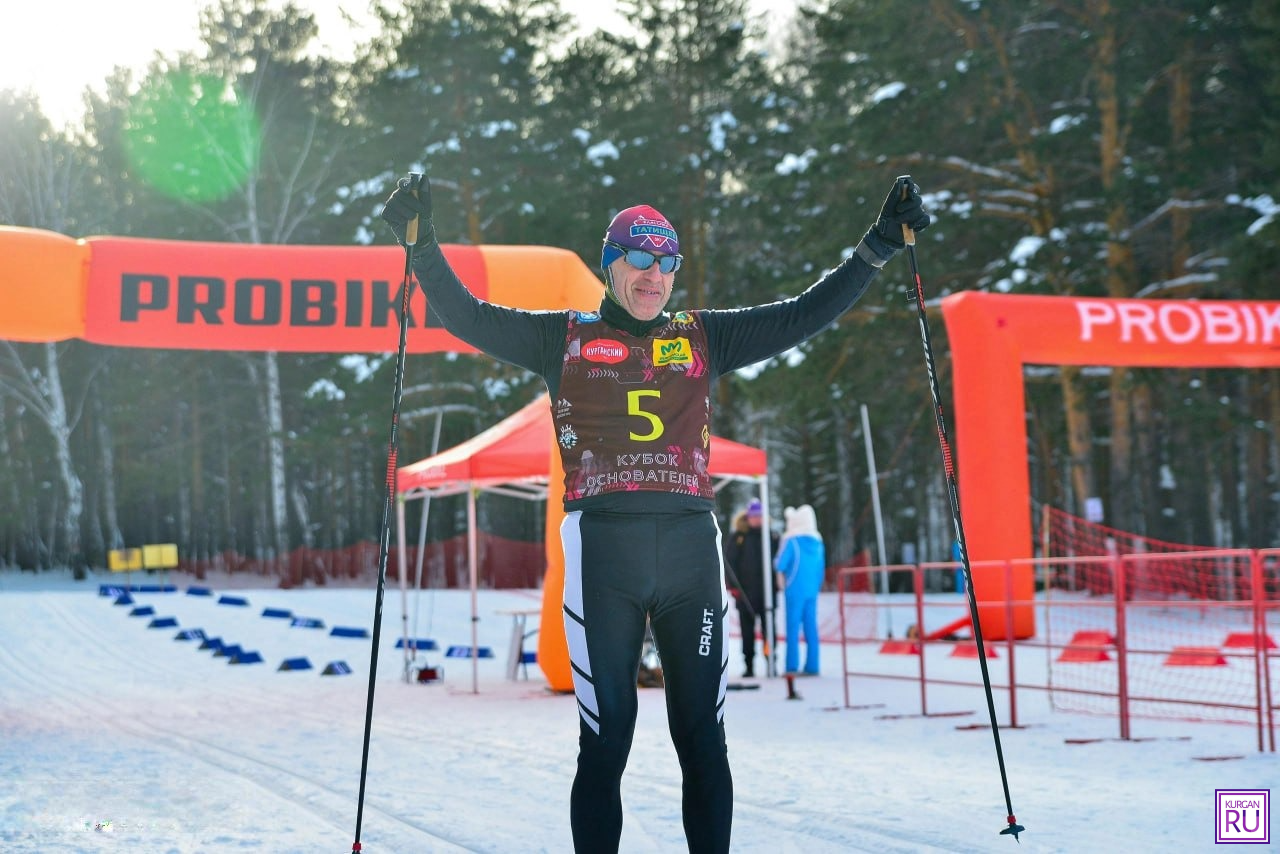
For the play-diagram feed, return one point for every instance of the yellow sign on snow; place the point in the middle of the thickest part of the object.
(160, 556)
(124, 560)
(153, 556)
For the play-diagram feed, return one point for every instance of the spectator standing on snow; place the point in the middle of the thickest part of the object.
(801, 565)
(744, 558)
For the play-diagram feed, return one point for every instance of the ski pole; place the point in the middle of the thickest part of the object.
(384, 537)
(916, 295)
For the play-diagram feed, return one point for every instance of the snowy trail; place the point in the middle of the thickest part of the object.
(293, 797)
(102, 718)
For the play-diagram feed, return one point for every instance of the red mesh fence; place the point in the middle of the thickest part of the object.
(1186, 636)
(1193, 642)
(1166, 571)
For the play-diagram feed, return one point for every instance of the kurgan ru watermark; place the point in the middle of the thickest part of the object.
(1243, 816)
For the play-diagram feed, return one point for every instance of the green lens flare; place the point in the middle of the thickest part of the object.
(190, 136)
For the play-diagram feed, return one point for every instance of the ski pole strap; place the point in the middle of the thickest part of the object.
(866, 253)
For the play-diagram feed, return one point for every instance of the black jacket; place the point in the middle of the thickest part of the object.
(742, 557)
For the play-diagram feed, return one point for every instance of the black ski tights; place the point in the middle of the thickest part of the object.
(621, 569)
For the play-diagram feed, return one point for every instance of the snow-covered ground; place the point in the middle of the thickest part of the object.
(117, 737)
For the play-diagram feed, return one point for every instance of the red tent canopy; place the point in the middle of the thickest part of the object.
(514, 456)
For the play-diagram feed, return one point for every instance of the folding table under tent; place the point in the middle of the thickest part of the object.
(513, 457)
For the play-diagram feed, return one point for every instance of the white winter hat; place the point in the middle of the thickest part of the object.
(803, 521)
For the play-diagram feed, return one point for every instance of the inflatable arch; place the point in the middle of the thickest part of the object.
(129, 292)
(993, 336)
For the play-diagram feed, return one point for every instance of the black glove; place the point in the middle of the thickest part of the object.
(412, 198)
(903, 206)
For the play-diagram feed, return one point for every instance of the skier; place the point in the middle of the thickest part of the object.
(630, 394)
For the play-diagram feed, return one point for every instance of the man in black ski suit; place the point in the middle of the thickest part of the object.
(630, 388)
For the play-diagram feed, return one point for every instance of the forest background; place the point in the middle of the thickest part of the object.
(1071, 147)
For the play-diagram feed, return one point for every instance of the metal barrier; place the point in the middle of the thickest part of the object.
(1118, 635)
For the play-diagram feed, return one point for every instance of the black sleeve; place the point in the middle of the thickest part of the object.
(741, 337)
(532, 340)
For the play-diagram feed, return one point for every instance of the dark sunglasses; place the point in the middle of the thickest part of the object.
(643, 260)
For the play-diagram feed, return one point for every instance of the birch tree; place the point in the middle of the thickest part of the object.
(259, 168)
(42, 175)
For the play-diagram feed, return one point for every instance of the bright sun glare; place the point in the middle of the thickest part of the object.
(56, 50)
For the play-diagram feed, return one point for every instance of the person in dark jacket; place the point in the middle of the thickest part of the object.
(746, 571)
(630, 389)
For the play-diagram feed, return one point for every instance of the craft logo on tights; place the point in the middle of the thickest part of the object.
(704, 643)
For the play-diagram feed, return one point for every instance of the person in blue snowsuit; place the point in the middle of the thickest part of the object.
(631, 387)
(801, 566)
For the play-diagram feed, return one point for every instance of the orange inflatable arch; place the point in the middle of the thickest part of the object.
(993, 336)
(128, 292)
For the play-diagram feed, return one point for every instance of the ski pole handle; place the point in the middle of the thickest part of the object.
(411, 230)
(908, 233)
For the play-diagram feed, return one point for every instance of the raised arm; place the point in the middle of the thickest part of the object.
(744, 336)
(516, 336)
